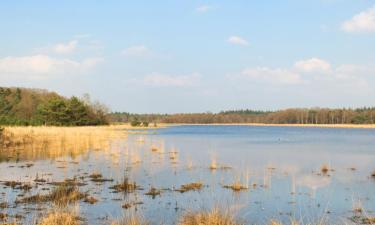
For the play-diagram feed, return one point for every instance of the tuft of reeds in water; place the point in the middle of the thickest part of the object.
(324, 169)
(215, 216)
(126, 186)
(98, 178)
(91, 200)
(213, 165)
(153, 192)
(60, 218)
(60, 195)
(196, 186)
(236, 186)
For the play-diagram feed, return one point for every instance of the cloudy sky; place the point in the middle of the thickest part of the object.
(193, 56)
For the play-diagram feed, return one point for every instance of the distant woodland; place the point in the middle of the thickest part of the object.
(21, 106)
(287, 116)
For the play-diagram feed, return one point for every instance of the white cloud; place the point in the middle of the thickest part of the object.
(64, 48)
(203, 8)
(282, 76)
(313, 65)
(42, 66)
(362, 22)
(311, 71)
(163, 80)
(237, 40)
(137, 51)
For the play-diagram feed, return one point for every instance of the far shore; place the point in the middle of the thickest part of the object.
(361, 126)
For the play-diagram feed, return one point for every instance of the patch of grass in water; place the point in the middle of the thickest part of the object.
(126, 186)
(212, 217)
(98, 178)
(236, 187)
(196, 186)
(153, 192)
(62, 194)
(60, 218)
(17, 185)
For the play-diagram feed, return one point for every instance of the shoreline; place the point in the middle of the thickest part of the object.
(166, 125)
(357, 126)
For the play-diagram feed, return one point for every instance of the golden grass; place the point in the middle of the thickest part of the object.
(60, 218)
(33, 143)
(212, 217)
(236, 187)
(324, 169)
(196, 186)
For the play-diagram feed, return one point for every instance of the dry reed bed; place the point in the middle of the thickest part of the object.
(53, 142)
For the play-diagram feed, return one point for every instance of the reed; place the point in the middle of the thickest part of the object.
(60, 218)
(215, 216)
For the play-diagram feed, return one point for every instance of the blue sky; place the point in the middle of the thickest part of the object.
(193, 56)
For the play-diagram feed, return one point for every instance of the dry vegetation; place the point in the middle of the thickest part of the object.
(196, 186)
(52, 142)
(60, 218)
(215, 216)
(60, 195)
(126, 186)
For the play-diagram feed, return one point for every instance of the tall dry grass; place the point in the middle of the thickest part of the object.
(215, 216)
(52, 142)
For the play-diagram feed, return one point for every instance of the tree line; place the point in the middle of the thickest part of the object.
(21, 106)
(288, 116)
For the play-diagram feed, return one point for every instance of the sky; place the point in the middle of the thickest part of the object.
(172, 56)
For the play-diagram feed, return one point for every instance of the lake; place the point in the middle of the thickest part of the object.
(310, 174)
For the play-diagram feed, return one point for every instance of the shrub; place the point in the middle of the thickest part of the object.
(135, 123)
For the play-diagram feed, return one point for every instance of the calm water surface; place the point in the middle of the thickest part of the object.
(280, 165)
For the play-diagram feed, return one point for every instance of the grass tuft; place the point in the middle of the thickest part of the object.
(196, 186)
(213, 217)
(59, 195)
(60, 218)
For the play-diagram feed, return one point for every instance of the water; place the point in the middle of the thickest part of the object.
(281, 166)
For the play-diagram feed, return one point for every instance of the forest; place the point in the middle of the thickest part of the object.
(286, 116)
(22, 106)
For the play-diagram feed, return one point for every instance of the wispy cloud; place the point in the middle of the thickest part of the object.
(164, 80)
(362, 22)
(65, 48)
(238, 40)
(277, 75)
(43, 66)
(203, 8)
(313, 65)
(137, 51)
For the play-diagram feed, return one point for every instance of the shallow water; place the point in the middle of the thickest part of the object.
(280, 165)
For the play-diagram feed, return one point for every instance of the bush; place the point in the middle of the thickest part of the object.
(135, 123)
(145, 124)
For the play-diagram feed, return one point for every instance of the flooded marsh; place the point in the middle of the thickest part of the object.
(188, 174)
